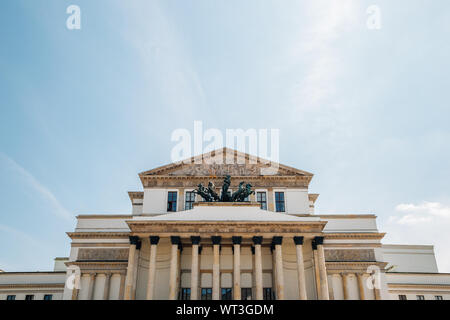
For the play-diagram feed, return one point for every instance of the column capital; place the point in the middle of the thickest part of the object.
(277, 240)
(175, 240)
(216, 239)
(257, 240)
(195, 239)
(298, 240)
(154, 239)
(236, 240)
(314, 244)
(319, 240)
(133, 239)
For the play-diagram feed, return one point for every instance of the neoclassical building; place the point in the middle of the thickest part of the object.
(271, 246)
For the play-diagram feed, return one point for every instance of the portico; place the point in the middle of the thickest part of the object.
(209, 225)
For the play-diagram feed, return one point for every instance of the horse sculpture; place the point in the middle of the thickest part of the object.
(209, 194)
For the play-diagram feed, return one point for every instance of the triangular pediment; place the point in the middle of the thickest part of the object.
(223, 162)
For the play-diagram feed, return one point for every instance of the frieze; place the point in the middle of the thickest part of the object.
(89, 254)
(194, 181)
(337, 255)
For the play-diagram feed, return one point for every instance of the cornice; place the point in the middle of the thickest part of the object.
(353, 266)
(418, 286)
(346, 216)
(226, 228)
(32, 285)
(98, 235)
(104, 216)
(359, 235)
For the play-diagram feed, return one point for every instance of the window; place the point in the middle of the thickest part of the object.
(402, 297)
(261, 197)
(438, 298)
(172, 201)
(420, 297)
(190, 199)
(246, 293)
(185, 294)
(29, 297)
(227, 294)
(279, 201)
(48, 297)
(206, 293)
(11, 297)
(268, 294)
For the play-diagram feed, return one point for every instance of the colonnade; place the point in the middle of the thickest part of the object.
(276, 246)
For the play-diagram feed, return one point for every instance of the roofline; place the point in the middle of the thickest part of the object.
(420, 273)
(32, 272)
(103, 216)
(224, 150)
(408, 246)
(346, 216)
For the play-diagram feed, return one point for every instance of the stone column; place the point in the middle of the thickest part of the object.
(122, 286)
(91, 286)
(130, 269)
(300, 268)
(330, 287)
(257, 241)
(152, 267)
(76, 284)
(216, 267)
(236, 267)
(107, 286)
(316, 268)
(322, 269)
(279, 279)
(376, 290)
(345, 285)
(362, 295)
(194, 268)
(174, 267)
(135, 272)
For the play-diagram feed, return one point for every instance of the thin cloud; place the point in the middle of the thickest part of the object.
(326, 22)
(425, 212)
(422, 223)
(44, 192)
(24, 237)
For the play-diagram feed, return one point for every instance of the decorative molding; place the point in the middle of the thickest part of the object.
(356, 235)
(98, 235)
(33, 285)
(418, 286)
(236, 228)
(352, 266)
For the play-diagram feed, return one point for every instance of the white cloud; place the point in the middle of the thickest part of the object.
(44, 192)
(164, 56)
(423, 223)
(425, 212)
(326, 22)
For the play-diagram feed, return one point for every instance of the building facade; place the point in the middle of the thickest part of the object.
(274, 246)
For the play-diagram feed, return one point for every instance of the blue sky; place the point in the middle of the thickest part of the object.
(83, 111)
